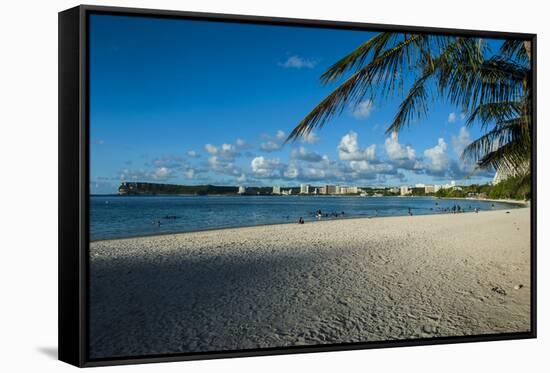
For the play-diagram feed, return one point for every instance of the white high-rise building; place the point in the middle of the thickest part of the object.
(242, 190)
(353, 190)
(304, 188)
(276, 190)
(429, 189)
(404, 190)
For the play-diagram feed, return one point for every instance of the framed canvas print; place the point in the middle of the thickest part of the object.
(237, 186)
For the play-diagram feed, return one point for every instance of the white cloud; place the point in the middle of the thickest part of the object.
(363, 109)
(348, 149)
(366, 167)
(403, 156)
(190, 173)
(303, 154)
(312, 173)
(227, 151)
(211, 148)
(297, 62)
(162, 173)
(223, 166)
(452, 118)
(273, 143)
(193, 154)
(292, 171)
(158, 174)
(270, 146)
(242, 178)
(213, 161)
(241, 144)
(461, 141)
(310, 138)
(439, 160)
(264, 167)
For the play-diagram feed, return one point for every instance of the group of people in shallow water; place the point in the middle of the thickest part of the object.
(320, 214)
(456, 209)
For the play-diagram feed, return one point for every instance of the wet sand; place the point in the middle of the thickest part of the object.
(339, 281)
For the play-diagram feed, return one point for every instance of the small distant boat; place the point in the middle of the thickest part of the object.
(363, 194)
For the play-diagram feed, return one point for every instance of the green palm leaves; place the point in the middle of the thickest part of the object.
(492, 89)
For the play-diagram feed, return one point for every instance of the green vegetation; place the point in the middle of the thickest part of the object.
(511, 188)
(386, 192)
(154, 189)
(492, 88)
(151, 189)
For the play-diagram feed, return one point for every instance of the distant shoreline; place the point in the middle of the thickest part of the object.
(511, 201)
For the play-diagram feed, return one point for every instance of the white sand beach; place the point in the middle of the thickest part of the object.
(339, 281)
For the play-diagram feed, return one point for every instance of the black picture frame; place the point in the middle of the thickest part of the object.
(74, 184)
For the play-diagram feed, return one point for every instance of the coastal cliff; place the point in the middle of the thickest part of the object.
(142, 188)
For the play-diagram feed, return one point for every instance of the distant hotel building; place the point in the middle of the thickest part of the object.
(325, 189)
(404, 190)
(330, 189)
(348, 190)
(242, 190)
(429, 189)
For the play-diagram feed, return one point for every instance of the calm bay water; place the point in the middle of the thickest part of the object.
(123, 216)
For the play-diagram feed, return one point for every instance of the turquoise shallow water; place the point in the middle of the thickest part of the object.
(124, 216)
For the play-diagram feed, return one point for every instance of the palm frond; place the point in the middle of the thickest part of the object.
(487, 113)
(504, 147)
(382, 75)
(357, 57)
(516, 50)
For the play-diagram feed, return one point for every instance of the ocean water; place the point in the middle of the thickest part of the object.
(131, 216)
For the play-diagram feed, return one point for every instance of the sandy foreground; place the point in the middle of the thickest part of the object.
(350, 280)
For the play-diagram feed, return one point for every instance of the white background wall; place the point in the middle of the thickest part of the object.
(28, 185)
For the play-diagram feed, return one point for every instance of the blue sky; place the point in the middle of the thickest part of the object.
(190, 102)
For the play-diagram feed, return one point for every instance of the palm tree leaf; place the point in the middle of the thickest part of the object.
(384, 73)
(358, 56)
(516, 50)
(487, 113)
